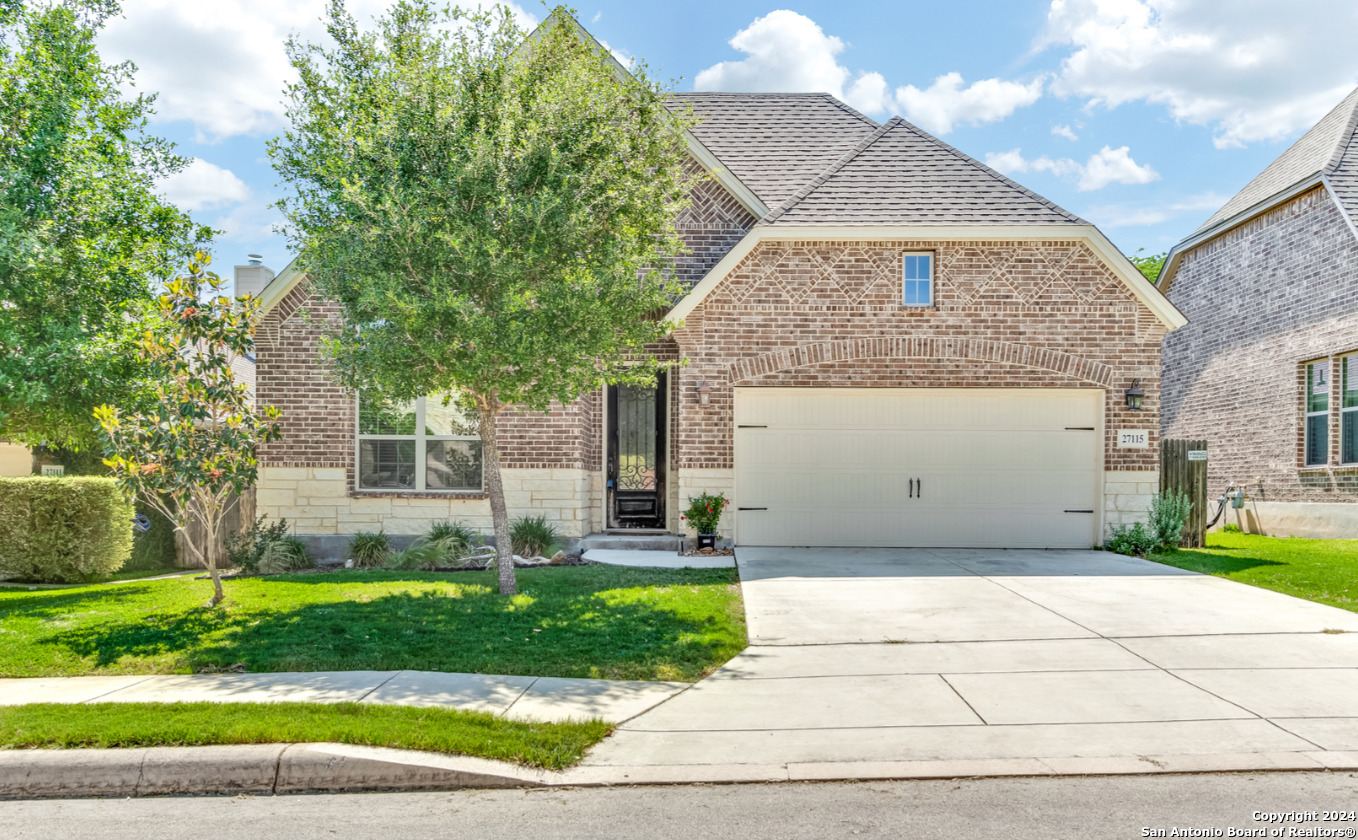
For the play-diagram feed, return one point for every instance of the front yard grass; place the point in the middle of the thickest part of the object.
(581, 621)
(553, 746)
(1325, 571)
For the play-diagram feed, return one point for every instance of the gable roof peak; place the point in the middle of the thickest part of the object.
(900, 174)
(1326, 149)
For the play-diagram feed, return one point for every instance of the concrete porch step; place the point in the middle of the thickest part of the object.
(631, 542)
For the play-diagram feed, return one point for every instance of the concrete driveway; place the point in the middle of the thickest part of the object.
(977, 661)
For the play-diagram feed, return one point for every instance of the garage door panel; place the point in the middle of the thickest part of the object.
(835, 466)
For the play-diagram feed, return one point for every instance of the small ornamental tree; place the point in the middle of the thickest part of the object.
(490, 211)
(189, 454)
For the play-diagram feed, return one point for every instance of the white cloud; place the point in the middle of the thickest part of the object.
(1104, 167)
(201, 185)
(1256, 70)
(869, 94)
(1119, 216)
(786, 52)
(1065, 131)
(221, 64)
(789, 52)
(1114, 166)
(946, 103)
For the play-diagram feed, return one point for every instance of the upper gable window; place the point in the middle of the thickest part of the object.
(919, 280)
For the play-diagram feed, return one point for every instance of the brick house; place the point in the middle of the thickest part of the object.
(1266, 370)
(887, 343)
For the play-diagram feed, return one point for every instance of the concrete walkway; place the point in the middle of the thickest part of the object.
(657, 559)
(522, 698)
(877, 663)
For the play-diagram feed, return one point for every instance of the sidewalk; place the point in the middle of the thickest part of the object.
(549, 699)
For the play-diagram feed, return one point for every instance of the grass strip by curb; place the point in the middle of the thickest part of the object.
(553, 746)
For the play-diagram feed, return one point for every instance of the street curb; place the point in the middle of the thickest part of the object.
(247, 768)
(334, 768)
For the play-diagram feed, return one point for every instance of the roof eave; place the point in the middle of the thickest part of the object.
(1210, 232)
(709, 161)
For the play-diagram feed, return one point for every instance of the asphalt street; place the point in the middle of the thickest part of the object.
(1074, 807)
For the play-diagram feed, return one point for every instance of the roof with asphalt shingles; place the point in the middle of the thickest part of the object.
(901, 175)
(1329, 148)
(775, 143)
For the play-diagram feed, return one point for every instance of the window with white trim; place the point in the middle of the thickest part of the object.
(918, 289)
(1317, 448)
(428, 444)
(1348, 410)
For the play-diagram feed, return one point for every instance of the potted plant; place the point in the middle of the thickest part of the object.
(704, 514)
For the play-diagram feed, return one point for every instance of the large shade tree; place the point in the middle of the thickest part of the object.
(492, 211)
(84, 234)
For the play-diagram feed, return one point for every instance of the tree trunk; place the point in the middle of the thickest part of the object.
(487, 407)
(210, 528)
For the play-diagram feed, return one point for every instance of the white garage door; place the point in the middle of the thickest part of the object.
(929, 467)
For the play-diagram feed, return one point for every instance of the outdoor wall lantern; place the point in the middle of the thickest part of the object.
(704, 393)
(1135, 395)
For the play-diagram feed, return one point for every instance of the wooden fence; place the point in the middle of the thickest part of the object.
(240, 513)
(1183, 466)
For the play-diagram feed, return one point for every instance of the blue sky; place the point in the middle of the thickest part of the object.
(1143, 116)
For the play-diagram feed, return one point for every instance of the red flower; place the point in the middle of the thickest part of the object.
(681, 517)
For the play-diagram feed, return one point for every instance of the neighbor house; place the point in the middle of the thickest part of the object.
(1267, 369)
(887, 343)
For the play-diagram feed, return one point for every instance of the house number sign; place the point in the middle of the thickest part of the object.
(1133, 439)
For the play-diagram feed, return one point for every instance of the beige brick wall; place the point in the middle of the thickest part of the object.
(1127, 496)
(692, 482)
(15, 460)
(319, 500)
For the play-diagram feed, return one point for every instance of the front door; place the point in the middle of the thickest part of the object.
(636, 455)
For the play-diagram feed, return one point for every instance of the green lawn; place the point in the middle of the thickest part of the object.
(581, 621)
(551, 745)
(1318, 570)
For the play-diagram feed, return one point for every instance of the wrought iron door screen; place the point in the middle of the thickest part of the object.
(636, 458)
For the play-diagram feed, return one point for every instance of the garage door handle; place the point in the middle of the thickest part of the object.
(1079, 511)
(741, 508)
(912, 488)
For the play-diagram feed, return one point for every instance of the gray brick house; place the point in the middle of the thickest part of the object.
(888, 343)
(1267, 368)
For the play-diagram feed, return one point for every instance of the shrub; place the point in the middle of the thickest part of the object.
(458, 539)
(1167, 515)
(368, 550)
(422, 556)
(532, 536)
(704, 512)
(1231, 528)
(1135, 539)
(63, 530)
(284, 555)
(245, 549)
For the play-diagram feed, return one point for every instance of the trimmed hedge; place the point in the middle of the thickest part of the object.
(63, 530)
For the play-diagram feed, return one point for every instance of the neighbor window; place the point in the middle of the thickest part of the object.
(1348, 411)
(426, 444)
(919, 280)
(1317, 413)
